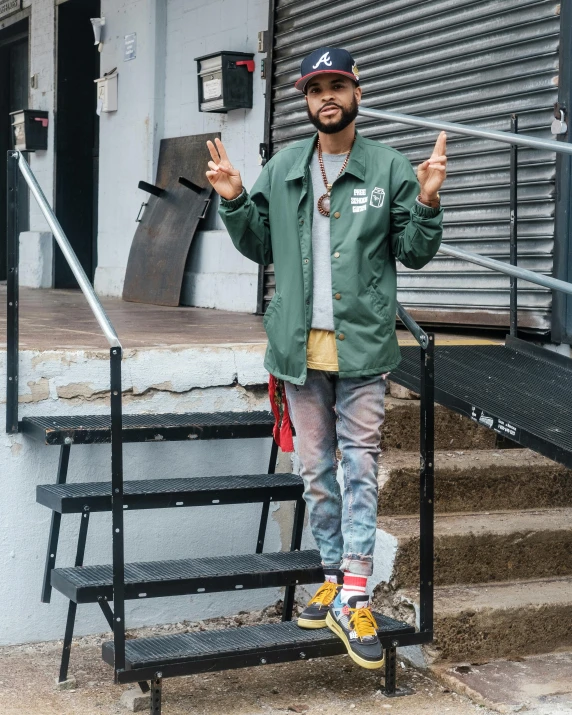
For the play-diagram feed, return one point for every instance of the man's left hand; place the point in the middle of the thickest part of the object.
(432, 172)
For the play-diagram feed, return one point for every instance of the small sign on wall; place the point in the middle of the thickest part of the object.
(130, 52)
(7, 7)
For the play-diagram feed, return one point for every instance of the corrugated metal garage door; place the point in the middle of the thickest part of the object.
(469, 62)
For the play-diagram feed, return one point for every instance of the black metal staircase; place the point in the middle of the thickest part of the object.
(520, 391)
(152, 659)
(181, 654)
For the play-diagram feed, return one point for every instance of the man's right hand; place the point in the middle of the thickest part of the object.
(223, 177)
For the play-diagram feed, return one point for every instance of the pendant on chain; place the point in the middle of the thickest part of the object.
(324, 203)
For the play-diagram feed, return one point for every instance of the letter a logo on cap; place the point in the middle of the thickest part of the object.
(325, 58)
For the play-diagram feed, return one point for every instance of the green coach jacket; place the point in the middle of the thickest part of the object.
(374, 221)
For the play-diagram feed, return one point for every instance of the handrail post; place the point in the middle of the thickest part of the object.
(117, 510)
(513, 226)
(426, 485)
(12, 338)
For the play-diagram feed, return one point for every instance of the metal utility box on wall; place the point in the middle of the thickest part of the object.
(30, 129)
(225, 81)
(107, 91)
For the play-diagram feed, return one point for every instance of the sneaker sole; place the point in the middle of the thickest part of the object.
(338, 630)
(305, 623)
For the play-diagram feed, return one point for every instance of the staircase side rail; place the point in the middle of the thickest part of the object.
(494, 265)
(17, 161)
(416, 330)
(456, 128)
(69, 254)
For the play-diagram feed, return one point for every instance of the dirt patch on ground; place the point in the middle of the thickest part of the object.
(334, 686)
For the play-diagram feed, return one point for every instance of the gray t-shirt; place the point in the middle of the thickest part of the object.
(323, 311)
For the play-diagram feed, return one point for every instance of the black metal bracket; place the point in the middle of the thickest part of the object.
(72, 606)
(190, 185)
(187, 183)
(297, 528)
(266, 502)
(513, 226)
(55, 527)
(118, 542)
(12, 327)
(156, 688)
(106, 610)
(150, 188)
(426, 486)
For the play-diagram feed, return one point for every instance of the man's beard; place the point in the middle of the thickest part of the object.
(348, 116)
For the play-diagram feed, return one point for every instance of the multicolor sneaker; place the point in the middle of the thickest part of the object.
(355, 624)
(314, 615)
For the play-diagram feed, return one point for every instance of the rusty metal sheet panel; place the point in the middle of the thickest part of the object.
(163, 237)
(474, 63)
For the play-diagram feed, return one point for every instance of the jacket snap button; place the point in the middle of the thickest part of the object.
(341, 336)
(336, 254)
(337, 214)
(306, 260)
(338, 296)
(301, 221)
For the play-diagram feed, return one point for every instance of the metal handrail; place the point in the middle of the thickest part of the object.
(69, 254)
(455, 128)
(494, 265)
(416, 330)
(495, 135)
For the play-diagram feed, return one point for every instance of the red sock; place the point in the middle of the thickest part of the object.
(353, 586)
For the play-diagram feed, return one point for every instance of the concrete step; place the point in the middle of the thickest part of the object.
(477, 547)
(476, 480)
(452, 431)
(478, 623)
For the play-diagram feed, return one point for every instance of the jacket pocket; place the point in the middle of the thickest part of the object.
(271, 311)
(379, 304)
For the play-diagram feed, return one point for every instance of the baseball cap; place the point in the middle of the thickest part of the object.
(327, 59)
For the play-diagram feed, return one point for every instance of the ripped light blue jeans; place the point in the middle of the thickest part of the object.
(328, 411)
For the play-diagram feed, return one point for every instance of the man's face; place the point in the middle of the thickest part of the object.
(332, 102)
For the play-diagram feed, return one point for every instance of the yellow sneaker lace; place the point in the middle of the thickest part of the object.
(363, 622)
(325, 594)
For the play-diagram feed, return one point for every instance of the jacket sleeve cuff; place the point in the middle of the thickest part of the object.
(233, 204)
(420, 209)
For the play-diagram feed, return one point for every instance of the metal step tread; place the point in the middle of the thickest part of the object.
(85, 584)
(96, 429)
(71, 498)
(525, 397)
(192, 648)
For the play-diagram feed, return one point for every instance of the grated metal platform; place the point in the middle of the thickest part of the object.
(176, 578)
(519, 391)
(197, 652)
(96, 429)
(167, 493)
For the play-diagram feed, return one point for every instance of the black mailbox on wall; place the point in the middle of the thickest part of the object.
(225, 81)
(30, 130)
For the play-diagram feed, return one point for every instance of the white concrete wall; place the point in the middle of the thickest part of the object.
(157, 99)
(217, 276)
(52, 383)
(129, 136)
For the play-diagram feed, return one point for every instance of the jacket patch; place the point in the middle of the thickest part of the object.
(359, 200)
(377, 198)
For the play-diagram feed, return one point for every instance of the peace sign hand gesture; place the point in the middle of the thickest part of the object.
(223, 177)
(431, 173)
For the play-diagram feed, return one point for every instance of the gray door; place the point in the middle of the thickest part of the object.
(469, 62)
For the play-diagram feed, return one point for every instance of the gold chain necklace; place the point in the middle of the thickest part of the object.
(324, 200)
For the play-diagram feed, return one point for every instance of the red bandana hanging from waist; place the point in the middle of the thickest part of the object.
(282, 431)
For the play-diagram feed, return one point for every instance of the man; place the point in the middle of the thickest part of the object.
(334, 213)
